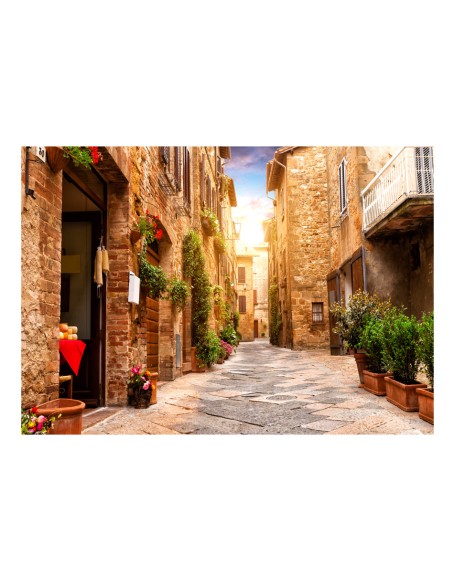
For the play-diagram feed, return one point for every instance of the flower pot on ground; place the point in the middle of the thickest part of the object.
(351, 320)
(196, 364)
(144, 387)
(372, 340)
(68, 414)
(425, 351)
(400, 336)
(209, 348)
(362, 365)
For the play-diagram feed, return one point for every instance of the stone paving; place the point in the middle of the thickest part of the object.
(264, 390)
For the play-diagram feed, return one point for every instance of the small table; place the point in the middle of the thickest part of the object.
(72, 351)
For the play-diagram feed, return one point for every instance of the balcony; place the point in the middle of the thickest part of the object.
(400, 197)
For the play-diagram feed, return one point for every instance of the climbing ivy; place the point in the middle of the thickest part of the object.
(275, 316)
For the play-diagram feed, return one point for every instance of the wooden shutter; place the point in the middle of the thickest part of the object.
(187, 176)
(242, 303)
(177, 167)
(424, 170)
(164, 154)
(342, 186)
(202, 180)
(255, 297)
(241, 274)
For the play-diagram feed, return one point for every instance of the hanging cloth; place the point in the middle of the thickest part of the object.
(105, 261)
(97, 278)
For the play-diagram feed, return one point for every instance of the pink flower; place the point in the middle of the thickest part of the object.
(40, 426)
(146, 385)
(144, 378)
(41, 419)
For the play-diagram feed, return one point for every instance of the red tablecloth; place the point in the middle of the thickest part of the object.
(72, 351)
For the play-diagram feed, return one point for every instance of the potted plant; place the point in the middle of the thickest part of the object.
(147, 227)
(351, 320)
(425, 349)
(58, 157)
(210, 223)
(372, 341)
(209, 348)
(228, 348)
(178, 293)
(152, 277)
(400, 333)
(67, 413)
(142, 387)
(34, 423)
(229, 335)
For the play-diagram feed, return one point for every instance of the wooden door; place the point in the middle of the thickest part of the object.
(333, 296)
(357, 274)
(152, 322)
(256, 328)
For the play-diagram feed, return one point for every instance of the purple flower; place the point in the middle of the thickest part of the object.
(146, 385)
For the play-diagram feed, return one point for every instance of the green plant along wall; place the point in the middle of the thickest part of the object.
(194, 267)
(275, 317)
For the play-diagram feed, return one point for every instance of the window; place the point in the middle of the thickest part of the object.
(164, 154)
(242, 303)
(255, 297)
(177, 168)
(424, 170)
(187, 176)
(317, 312)
(241, 274)
(342, 172)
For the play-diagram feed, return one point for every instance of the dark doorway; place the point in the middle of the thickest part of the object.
(82, 303)
(256, 328)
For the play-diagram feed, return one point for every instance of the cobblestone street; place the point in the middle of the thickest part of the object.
(264, 390)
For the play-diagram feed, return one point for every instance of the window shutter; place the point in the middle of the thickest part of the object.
(177, 167)
(187, 176)
(424, 170)
(164, 154)
(241, 274)
(202, 180)
(255, 297)
(242, 303)
(342, 186)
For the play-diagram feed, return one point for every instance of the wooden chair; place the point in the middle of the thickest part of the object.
(63, 380)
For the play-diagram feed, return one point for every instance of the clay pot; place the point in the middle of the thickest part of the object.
(154, 388)
(70, 421)
(207, 226)
(55, 158)
(135, 236)
(375, 383)
(361, 364)
(195, 366)
(426, 404)
(141, 398)
(403, 395)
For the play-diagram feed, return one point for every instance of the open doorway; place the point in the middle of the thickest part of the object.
(82, 303)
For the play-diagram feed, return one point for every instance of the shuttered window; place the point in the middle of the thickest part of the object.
(255, 297)
(241, 274)
(187, 176)
(424, 170)
(317, 312)
(203, 181)
(242, 303)
(342, 171)
(177, 167)
(164, 154)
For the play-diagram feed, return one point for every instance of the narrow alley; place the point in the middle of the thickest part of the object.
(263, 389)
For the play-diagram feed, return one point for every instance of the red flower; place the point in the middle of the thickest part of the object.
(34, 410)
(159, 234)
(95, 155)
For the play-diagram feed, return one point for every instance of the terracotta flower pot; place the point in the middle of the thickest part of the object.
(426, 404)
(141, 398)
(154, 388)
(70, 421)
(56, 159)
(403, 395)
(375, 383)
(207, 226)
(135, 236)
(361, 364)
(195, 365)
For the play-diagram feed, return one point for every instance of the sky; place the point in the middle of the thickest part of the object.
(247, 167)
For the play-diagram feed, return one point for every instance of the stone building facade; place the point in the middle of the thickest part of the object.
(381, 225)
(260, 284)
(245, 289)
(67, 212)
(348, 218)
(299, 244)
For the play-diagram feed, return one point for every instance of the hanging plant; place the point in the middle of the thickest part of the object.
(83, 155)
(224, 186)
(220, 242)
(210, 222)
(178, 293)
(148, 228)
(152, 277)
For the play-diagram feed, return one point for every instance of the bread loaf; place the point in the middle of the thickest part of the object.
(61, 335)
(63, 327)
(72, 336)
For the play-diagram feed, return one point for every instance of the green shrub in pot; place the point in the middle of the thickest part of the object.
(372, 341)
(400, 334)
(425, 346)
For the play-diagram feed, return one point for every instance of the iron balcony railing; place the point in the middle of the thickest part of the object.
(408, 174)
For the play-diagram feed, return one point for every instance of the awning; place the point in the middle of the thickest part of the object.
(224, 152)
